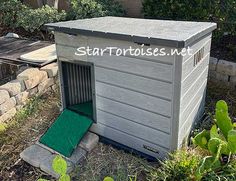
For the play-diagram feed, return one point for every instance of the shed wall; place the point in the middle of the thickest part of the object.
(133, 94)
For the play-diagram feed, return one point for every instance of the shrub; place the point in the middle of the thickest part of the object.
(33, 19)
(180, 166)
(195, 10)
(9, 10)
(94, 8)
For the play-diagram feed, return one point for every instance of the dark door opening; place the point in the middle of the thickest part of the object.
(79, 88)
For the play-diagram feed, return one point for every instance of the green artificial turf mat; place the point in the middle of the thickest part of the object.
(66, 132)
(83, 108)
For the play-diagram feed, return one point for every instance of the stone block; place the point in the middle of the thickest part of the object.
(226, 68)
(89, 142)
(32, 77)
(22, 98)
(78, 155)
(33, 91)
(46, 166)
(8, 115)
(43, 86)
(4, 95)
(13, 87)
(7, 105)
(213, 63)
(212, 74)
(51, 69)
(222, 77)
(35, 155)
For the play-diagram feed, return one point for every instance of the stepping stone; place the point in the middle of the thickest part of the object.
(78, 155)
(46, 166)
(89, 142)
(34, 155)
(46, 54)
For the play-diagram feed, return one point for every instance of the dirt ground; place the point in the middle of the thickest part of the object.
(103, 161)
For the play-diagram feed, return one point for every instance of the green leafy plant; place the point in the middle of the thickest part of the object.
(219, 141)
(94, 8)
(181, 165)
(221, 12)
(59, 165)
(108, 179)
(33, 19)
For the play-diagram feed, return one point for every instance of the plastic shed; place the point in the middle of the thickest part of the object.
(147, 103)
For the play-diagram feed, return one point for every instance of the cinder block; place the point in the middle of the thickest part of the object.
(89, 142)
(35, 155)
(8, 115)
(213, 63)
(7, 105)
(13, 87)
(226, 67)
(4, 95)
(22, 98)
(51, 69)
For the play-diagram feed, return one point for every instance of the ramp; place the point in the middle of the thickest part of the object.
(66, 132)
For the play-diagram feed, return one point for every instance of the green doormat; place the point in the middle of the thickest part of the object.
(66, 132)
(83, 108)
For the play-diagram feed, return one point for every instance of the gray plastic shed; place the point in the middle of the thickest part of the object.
(147, 103)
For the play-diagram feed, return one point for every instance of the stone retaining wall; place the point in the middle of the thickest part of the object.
(31, 82)
(223, 71)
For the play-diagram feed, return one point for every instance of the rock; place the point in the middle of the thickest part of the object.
(46, 166)
(226, 68)
(4, 95)
(78, 155)
(35, 155)
(213, 63)
(42, 87)
(55, 87)
(89, 142)
(19, 107)
(33, 91)
(8, 115)
(13, 87)
(32, 77)
(22, 98)
(12, 35)
(51, 69)
(7, 105)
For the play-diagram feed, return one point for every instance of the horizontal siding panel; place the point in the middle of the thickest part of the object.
(186, 84)
(188, 66)
(194, 87)
(134, 129)
(135, 99)
(134, 82)
(69, 53)
(197, 46)
(191, 104)
(128, 140)
(193, 116)
(140, 116)
(71, 40)
(102, 43)
(140, 67)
